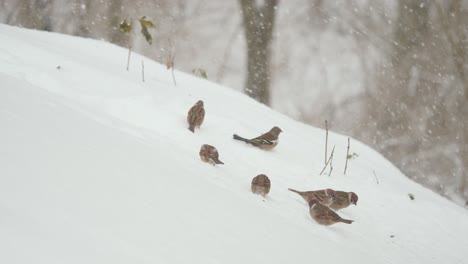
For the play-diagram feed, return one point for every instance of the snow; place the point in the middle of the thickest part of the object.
(97, 166)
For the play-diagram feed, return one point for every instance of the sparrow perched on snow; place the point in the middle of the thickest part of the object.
(325, 196)
(261, 185)
(267, 141)
(210, 154)
(324, 215)
(343, 200)
(195, 116)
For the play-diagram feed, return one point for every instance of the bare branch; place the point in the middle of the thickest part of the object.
(375, 177)
(128, 59)
(170, 60)
(347, 158)
(331, 165)
(326, 140)
(173, 77)
(329, 159)
(143, 71)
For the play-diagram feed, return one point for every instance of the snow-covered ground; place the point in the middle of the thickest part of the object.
(97, 166)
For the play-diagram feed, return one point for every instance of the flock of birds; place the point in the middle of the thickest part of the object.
(322, 203)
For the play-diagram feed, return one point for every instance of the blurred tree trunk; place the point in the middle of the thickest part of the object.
(258, 24)
(422, 126)
(34, 14)
(82, 8)
(115, 15)
(411, 27)
(400, 85)
(453, 25)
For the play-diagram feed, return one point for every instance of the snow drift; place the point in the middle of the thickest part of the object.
(97, 166)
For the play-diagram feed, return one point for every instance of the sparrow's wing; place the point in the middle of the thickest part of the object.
(319, 196)
(260, 141)
(321, 212)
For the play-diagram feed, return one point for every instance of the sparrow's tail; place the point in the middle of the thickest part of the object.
(217, 161)
(346, 221)
(296, 191)
(236, 137)
(192, 128)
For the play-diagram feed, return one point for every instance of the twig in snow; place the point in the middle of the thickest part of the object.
(143, 71)
(331, 165)
(328, 161)
(347, 158)
(128, 59)
(173, 76)
(375, 177)
(326, 140)
(170, 61)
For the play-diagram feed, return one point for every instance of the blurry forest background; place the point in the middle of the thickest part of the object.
(391, 73)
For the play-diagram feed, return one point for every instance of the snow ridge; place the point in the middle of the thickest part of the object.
(97, 166)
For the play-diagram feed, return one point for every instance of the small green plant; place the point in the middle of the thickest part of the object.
(201, 72)
(411, 196)
(145, 24)
(127, 28)
(170, 60)
(353, 155)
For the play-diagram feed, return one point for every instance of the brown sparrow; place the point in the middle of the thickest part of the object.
(324, 215)
(343, 200)
(209, 154)
(195, 116)
(261, 185)
(267, 141)
(325, 196)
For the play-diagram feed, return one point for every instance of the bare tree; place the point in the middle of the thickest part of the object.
(417, 110)
(33, 14)
(115, 13)
(258, 24)
(452, 21)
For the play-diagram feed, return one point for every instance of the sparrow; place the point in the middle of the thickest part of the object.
(267, 141)
(210, 154)
(324, 215)
(343, 200)
(195, 116)
(261, 185)
(324, 197)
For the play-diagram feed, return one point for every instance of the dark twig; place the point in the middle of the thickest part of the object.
(170, 60)
(130, 42)
(128, 59)
(375, 177)
(328, 161)
(172, 69)
(331, 165)
(347, 158)
(326, 140)
(143, 71)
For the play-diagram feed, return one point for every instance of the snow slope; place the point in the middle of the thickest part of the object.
(97, 166)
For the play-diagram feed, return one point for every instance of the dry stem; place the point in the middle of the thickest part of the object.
(347, 158)
(326, 140)
(328, 161)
